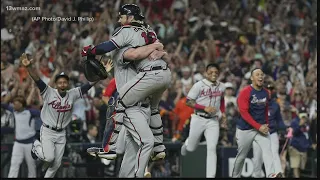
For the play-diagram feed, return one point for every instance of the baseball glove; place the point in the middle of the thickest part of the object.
(94, 70)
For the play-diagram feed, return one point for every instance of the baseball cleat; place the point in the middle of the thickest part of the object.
(184, 150)
(147, 175)
(158, 156)
(277, 175)
(111, 155)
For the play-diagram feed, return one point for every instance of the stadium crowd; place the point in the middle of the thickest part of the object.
(279, 36)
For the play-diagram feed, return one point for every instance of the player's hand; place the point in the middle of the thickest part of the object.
(25, 61)
(158, 45)
(87, 50)
(210, 110)
(264, 129)
(108, 65)
(157, 55)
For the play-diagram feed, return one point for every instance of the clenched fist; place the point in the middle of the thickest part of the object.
(264, 129)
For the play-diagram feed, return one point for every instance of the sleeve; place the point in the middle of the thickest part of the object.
(110, 89)
(34, 112)
(41, 85)
(85, 88)
(45, 93)
(76, 93)
(243, 105)
(121, 37)
(279, 119)
(295, 126)
(7, 107)
(194, 92)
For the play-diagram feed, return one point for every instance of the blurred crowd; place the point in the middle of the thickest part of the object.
(279, 36)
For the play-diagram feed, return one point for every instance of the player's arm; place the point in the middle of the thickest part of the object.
(133, 54)
(191, 98)
(243, 105)
(32, 72)
(85, 88)
(35, 112)
(119, 39)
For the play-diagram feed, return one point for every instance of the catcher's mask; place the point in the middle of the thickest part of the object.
(94, 69)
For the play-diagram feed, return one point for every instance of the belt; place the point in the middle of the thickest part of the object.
(154, 68)
(142, 105)
(204, 116)
(52, 128)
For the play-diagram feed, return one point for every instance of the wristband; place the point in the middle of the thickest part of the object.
(199, 107)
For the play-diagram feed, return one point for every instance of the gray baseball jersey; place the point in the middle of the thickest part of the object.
(136, 36)
(56, 111)
(206, 93)
(124, 71)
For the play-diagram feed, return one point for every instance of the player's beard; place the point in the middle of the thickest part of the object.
(63, 92)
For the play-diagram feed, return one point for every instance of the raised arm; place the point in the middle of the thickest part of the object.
(32, 72)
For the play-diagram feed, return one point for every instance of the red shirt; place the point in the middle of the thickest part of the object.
(110, 89)
(183, 111)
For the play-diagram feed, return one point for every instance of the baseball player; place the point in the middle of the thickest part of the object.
(122, 74)
(206, 97)
(253, 124)
(153, 77)
(24, 136)
(275, 123)
(55, 115)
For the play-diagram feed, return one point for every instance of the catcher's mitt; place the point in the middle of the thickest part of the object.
(94, 70)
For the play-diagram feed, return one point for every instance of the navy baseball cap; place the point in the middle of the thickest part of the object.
(61, 75)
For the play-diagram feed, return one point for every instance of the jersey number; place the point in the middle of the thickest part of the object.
(149, 37)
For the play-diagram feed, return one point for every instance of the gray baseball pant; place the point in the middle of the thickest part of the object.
(143, 85)
(257, 156)
(245, 138)
(136, 122)
(131, 148)
(51, 149)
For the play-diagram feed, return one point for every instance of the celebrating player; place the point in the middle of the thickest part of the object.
(253, 124)
(153, 77)
(24, 136)
(275, 123)
(55, 115)
(206, 97)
